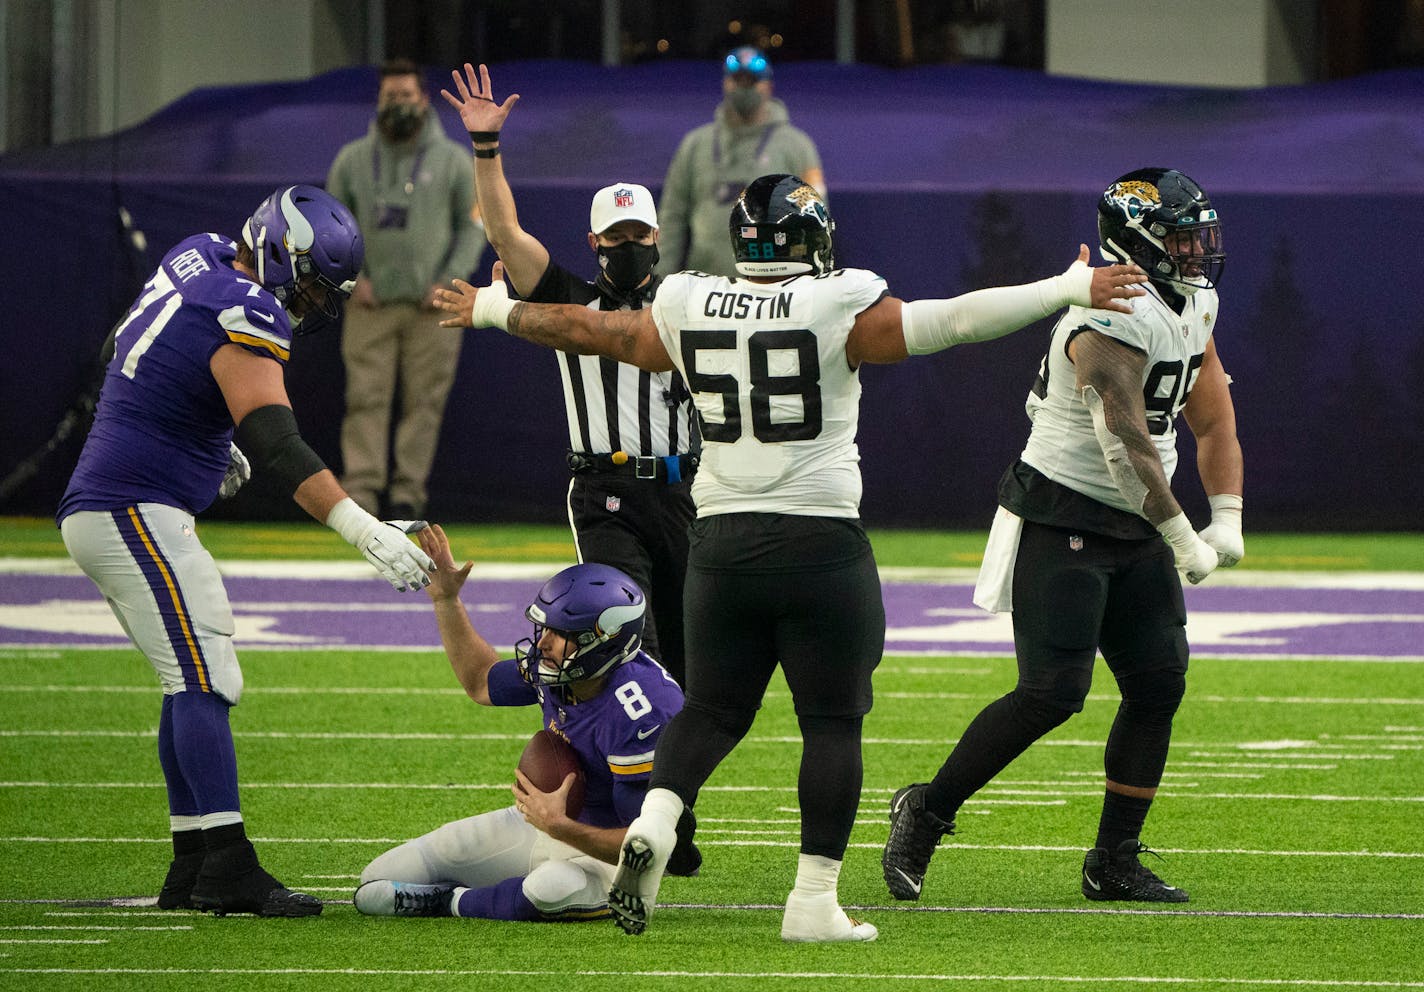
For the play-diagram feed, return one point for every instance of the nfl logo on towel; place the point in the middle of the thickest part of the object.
(1075, 543)
(613, 503)
(622, 197)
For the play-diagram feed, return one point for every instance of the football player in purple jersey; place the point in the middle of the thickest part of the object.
(195, 380)
(584, 668)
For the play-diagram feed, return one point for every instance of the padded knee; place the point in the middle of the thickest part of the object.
(561, 886)
(1157, 693)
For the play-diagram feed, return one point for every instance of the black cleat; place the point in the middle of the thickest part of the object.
(685, 860)
(177, 891)
(1119, 876)
(231, 881)
(914, 833)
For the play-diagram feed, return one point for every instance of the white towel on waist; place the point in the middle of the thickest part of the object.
(995, 589)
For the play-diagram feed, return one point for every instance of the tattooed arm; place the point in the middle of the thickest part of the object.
(628, 336)
(1110, 382)
(1109, 377)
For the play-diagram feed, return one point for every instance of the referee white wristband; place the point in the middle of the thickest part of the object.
(983, 315)
(492, 307)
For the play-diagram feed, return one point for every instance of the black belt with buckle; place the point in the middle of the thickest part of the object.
(669, 468)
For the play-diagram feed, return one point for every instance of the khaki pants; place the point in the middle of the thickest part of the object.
(395, 342)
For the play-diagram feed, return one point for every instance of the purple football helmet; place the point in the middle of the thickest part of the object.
(598, 608)
(307, 250)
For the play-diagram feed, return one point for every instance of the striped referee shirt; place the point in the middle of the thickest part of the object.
(612, 406)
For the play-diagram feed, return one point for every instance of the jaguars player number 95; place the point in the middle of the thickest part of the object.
(1076, 550)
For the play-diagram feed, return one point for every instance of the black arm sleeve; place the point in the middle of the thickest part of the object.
(269, 438)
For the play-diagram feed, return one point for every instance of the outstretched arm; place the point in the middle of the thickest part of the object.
(470, 655)
(525, 257)
(892, 330)
(627, 336)
(256, 395)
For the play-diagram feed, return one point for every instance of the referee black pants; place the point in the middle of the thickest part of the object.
(640, 527)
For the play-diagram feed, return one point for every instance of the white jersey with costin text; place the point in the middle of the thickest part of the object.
(777, 400)
(1063, 445)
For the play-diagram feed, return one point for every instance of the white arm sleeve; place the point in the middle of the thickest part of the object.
(985, 314)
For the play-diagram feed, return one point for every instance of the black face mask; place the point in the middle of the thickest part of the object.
(399, 120)
(625, 266)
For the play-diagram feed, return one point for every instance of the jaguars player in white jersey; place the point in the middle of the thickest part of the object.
(780, 570)
(1077, 551)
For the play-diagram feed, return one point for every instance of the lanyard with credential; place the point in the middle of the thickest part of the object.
(756, 156)
(725, 192)
(376, 168)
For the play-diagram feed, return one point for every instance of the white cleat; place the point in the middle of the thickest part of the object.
(641, 863)
(382, 897)
(820, 919)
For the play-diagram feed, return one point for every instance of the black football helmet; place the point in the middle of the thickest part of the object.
(780, 227)
(1161, 219)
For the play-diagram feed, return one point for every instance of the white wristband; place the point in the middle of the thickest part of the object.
(1225, 507)
(492, 306)
(351, 522)
(1072, 288)
(1178, 531)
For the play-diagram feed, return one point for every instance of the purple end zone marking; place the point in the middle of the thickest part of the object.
(39, 610)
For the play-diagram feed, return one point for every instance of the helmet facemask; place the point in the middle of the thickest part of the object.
(307, 251)
(1162, 221)
(597, 611)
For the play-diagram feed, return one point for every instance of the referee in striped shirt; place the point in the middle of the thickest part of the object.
(632, 434)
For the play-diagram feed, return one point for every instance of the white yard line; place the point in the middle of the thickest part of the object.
(815, 978)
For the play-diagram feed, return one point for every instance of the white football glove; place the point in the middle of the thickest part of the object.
(1224, 531)
(238, 472)
(384, 543)
(1195, 558)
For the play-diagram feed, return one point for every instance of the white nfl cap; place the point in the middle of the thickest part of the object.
(621, 201)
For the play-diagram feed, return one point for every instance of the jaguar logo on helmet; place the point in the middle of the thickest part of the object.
(1161, 220)
(792, 228)
(808, 202)
(1135, 196)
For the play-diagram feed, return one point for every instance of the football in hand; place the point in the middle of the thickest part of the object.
(546, 760)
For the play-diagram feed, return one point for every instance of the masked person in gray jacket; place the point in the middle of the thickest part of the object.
(410, 188)
(750, 136)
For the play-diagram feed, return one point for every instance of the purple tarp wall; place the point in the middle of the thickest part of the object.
(942, 179)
